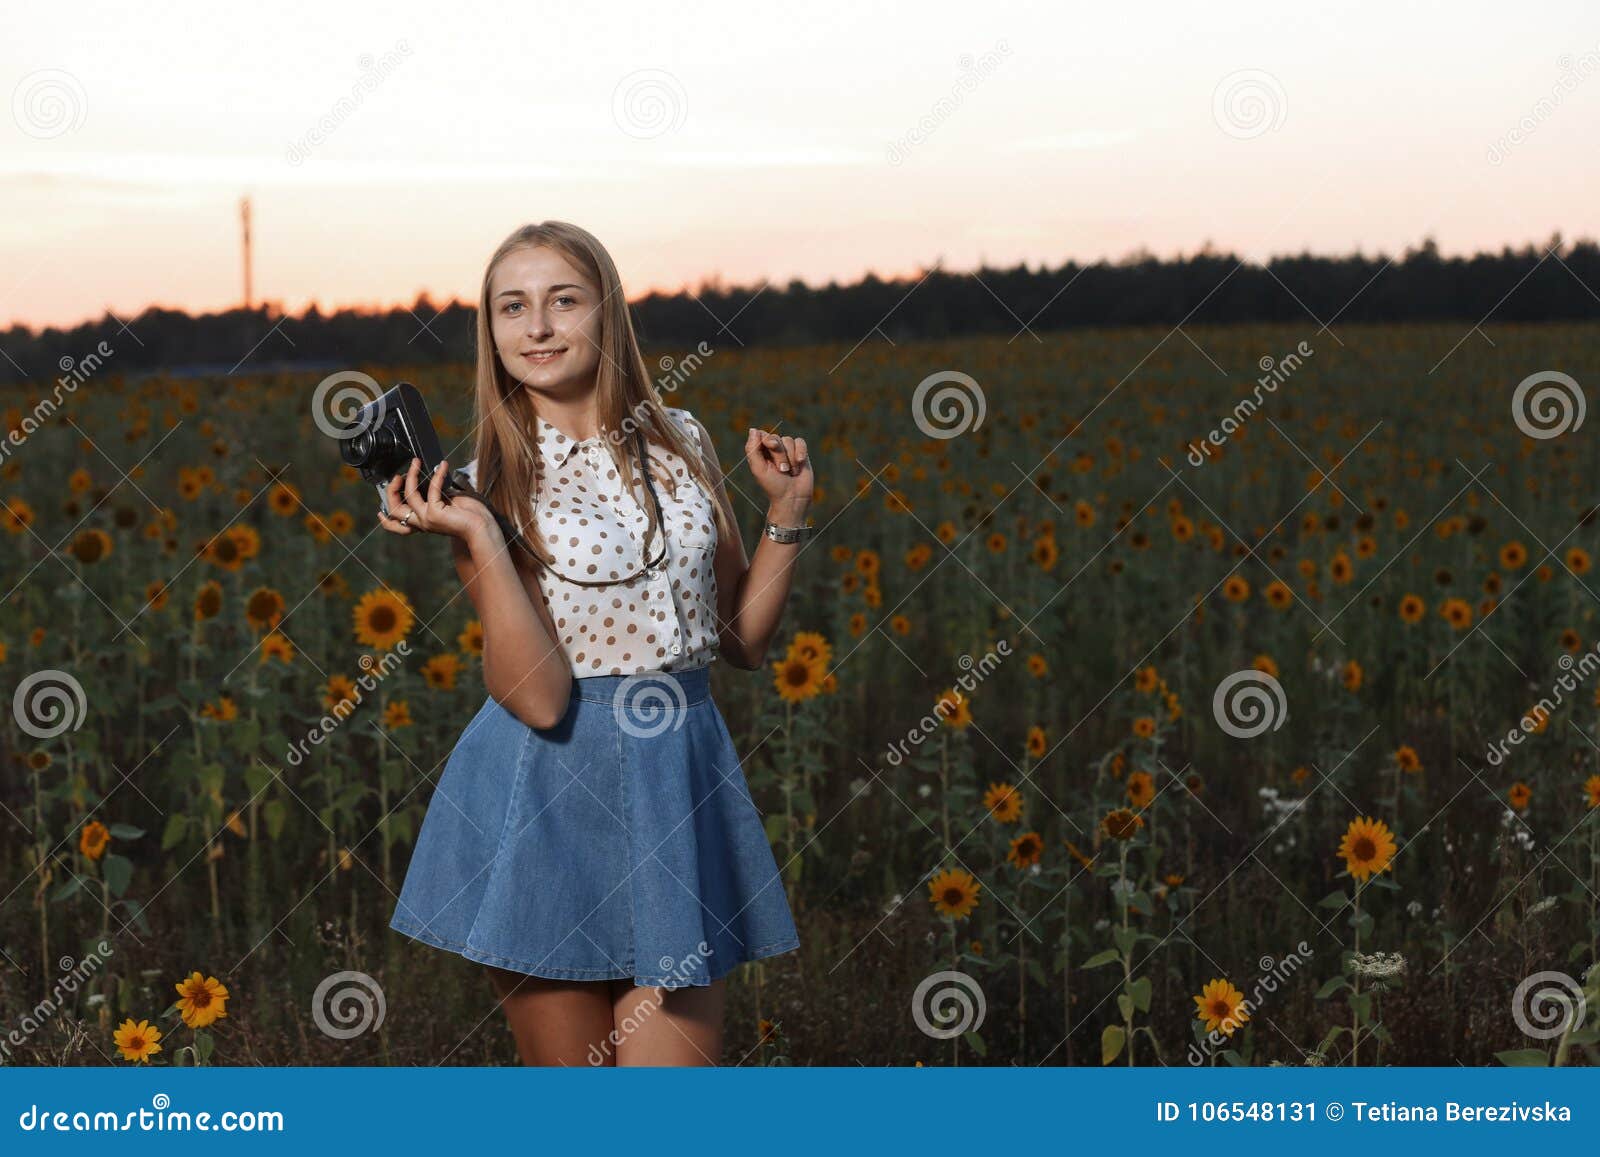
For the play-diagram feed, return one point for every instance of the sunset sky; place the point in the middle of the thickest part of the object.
(758, 141)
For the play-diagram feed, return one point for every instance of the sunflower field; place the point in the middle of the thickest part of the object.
(1223, 696)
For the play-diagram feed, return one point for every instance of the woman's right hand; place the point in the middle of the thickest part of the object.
(410, 510)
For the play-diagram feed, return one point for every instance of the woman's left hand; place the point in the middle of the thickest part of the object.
(782, 468)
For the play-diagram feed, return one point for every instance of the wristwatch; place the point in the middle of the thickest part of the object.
(789, 534)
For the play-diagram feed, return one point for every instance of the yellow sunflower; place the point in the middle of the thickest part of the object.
(264, 609)
(223, 551)
(276, 646)
(91, 546)
(1458, 612)
(1221, 1006)
(1141, 789)
(1004, 802)
(201, 1000)
(284, 499)
(340, 689)
(1025, 850)
(383, 618)
(1367, 847)
(954, 708)
(440, 671)
(1122, 824)
(812, 645)
(136, 1041)
(953, 893)
(94, 839)
(1038, 742)
(798, 678)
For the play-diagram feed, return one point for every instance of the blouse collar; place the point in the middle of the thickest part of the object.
(556, 446)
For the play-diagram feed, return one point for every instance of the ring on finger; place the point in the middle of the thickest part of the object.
(406, 521)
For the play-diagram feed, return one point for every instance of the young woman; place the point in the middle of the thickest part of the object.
(592, 838)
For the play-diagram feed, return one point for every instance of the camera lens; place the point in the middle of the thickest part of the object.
(357, 449)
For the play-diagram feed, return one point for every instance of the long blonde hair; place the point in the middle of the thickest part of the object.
(626, 400)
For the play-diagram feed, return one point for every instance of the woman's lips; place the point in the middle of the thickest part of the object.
(541, 358)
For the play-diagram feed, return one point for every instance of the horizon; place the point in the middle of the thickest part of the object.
(704, 285)
(377, 154)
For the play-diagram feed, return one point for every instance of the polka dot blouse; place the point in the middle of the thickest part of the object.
(662, 620)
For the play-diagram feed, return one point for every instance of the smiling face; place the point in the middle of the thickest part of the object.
(545, 317)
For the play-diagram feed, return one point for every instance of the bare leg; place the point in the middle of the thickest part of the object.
(675, 1026)
(556, 1022)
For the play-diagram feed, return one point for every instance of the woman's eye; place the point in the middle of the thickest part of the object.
(567, 297)
(512, 305)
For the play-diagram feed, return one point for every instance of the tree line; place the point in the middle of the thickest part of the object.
(1552, 282)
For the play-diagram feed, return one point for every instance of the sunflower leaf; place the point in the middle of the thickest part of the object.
(1111, 1042)
(256, 779)
(1523, 1058)
(125, 832)
(1334, 900)
(177, 828)
(118, 872)
(1140, 990)
(275, 812)
(1331, 987)
(1099, 958)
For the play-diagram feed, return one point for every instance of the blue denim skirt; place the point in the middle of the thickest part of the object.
(621, 843)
